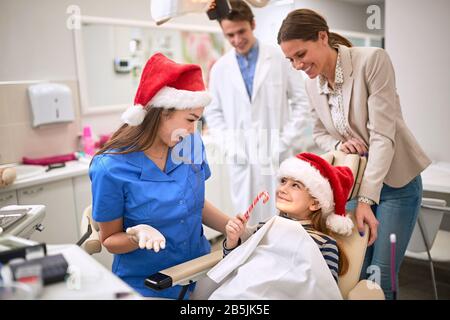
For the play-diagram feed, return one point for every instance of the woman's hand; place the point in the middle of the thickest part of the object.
(363, 215)
(234, 230)
(354, 146)
(147, 237)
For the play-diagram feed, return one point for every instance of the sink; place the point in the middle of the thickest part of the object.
(25, 171)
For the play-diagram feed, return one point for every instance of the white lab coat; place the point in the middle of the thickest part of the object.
(265, 130)
(280, 261)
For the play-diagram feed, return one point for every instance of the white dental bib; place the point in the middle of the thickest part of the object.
(279, 261)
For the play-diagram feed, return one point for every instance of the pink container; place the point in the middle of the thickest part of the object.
(88, 141)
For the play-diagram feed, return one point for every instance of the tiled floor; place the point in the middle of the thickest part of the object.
(415, 280)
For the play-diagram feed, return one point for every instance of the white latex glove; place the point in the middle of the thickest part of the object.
(147, 237)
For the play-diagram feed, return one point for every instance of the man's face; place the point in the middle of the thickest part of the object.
(239, 34)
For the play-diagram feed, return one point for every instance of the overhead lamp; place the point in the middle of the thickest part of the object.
(163, 10)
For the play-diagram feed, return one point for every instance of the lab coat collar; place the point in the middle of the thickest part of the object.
(235, 74)
(261, 71)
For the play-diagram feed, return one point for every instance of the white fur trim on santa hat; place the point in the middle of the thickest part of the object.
(169, 98)
(318, 186)
(134, 115)
(340, 224)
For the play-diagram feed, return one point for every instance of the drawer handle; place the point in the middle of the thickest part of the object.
(33, 191)
(9, 197)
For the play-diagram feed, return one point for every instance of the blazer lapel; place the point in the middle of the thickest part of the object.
(347, 87)
(322, 109)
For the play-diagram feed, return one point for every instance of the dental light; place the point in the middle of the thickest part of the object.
(163, 10)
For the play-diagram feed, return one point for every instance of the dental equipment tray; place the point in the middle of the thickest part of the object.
(9, 217)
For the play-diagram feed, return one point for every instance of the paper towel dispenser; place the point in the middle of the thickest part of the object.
(50, 103)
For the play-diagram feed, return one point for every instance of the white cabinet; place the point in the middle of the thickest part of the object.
(60, 222)
(65, 201)
(82, 196)
(8, 198)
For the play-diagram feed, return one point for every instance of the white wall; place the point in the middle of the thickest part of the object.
(40, 46)
(37, 45)
(339, 15)
(418, 43)
(343, 15)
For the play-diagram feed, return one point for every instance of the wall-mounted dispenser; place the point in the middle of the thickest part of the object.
(50, 103)
(123, 65)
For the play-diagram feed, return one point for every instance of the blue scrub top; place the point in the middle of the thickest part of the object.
(131, 186)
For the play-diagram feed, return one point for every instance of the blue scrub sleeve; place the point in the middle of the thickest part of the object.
(107, 193)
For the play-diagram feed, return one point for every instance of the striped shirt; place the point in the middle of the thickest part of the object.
(327, 246)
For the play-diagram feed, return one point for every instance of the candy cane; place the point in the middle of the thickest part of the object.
(264, 194)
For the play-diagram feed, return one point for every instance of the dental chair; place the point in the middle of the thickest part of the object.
(428, 242)
(90, 239)
(354, 246)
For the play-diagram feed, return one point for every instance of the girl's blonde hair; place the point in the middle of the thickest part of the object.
(318, 223)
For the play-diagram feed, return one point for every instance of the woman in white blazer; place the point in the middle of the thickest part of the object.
(356, 109)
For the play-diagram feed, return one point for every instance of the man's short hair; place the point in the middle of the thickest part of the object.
(240, 11)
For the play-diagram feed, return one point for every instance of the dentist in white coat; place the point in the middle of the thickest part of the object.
(258, 113)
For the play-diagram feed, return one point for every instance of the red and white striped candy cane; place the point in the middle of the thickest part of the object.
(264, 194)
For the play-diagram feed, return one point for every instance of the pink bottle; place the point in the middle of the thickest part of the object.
(88, 141)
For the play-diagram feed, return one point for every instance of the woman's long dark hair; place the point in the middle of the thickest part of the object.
(129, 139)
(305, 24)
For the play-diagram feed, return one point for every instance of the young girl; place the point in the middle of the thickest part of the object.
(312, 192)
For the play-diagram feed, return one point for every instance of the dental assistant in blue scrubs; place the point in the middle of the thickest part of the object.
(148, 181)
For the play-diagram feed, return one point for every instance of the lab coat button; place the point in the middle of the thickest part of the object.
(182, 221)
(181, 202)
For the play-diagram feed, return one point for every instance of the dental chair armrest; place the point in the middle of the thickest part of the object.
(184, 273)
(90, 241)
(366, 290)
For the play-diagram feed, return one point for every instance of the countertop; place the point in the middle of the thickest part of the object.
(72, 169)
(90, 279)
(436, 177)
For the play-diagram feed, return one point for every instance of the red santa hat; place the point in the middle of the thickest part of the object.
(328, 184)
(167, 84)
